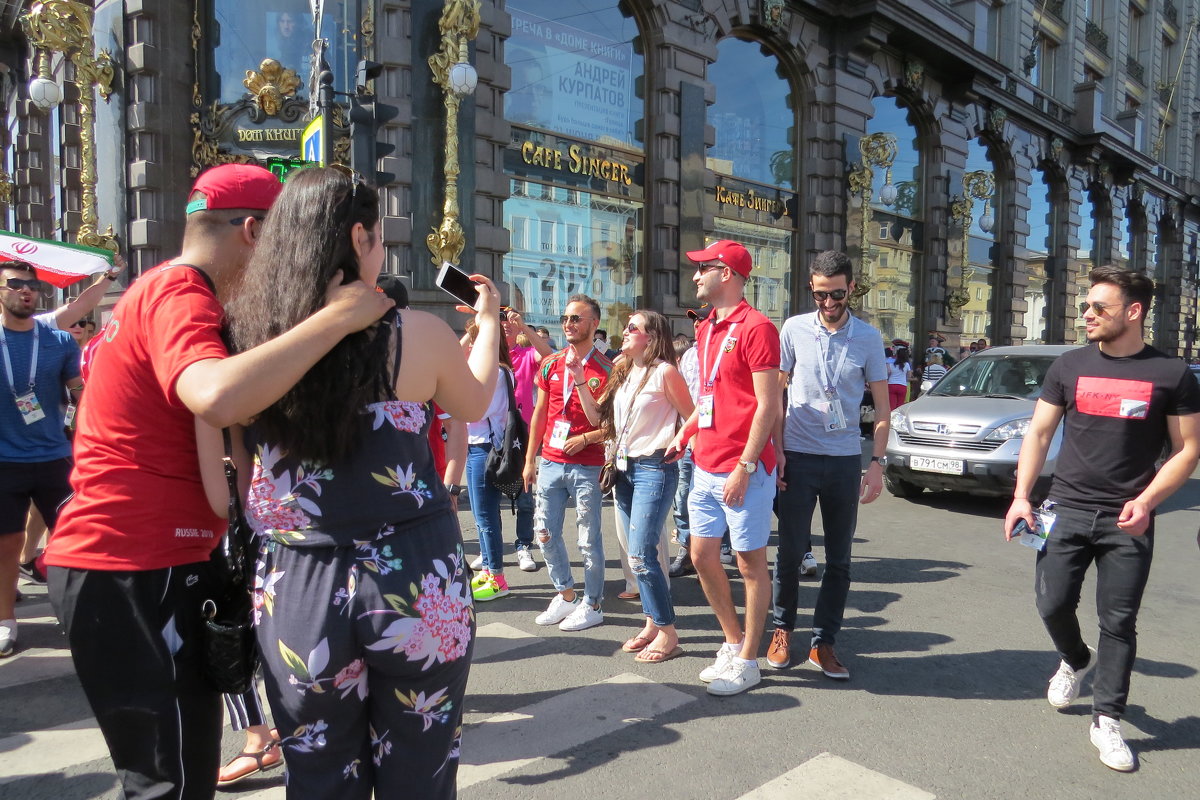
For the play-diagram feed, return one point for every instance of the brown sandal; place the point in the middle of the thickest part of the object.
(637, 643)
(259, 766)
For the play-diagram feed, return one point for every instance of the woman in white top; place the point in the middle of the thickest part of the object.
(899, 372)
(640, 409)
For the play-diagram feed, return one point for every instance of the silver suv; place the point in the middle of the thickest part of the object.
(966, 432)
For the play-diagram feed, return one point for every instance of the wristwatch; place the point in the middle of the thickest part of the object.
(880, 460)
(454, 489)
(748, 466)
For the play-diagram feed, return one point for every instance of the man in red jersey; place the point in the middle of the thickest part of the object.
(734, 480)
(129, 562)
(572, 453)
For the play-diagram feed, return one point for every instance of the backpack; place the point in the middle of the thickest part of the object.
(506, 463)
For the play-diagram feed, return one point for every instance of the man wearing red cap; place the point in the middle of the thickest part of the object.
(129, 561)
(733, 485)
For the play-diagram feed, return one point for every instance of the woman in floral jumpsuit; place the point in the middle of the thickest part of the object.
(363, 600)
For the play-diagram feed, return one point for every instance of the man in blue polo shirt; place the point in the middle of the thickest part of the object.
(828, 358)
(39, 362)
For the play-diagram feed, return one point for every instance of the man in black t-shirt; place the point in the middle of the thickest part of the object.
(1121, 401)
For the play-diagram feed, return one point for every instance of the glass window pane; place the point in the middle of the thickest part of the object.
(590, 246)
(752, 116)
(575, 70)
(1084, 258)
(770, 251)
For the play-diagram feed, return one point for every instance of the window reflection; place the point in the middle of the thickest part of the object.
(575, 70)
(1084, 258)
(981, 273)
(245, 34)
(771, 253)
(1035, 254)
(752, 116)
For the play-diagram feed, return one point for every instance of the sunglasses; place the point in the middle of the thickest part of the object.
(631, 328)
(75, 325)
(16, 284)
(574, 319)
(240, 220)
(836, 294)
(1097, 307)
(705, 268)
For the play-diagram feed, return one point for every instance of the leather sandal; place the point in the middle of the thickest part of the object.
(259, 765)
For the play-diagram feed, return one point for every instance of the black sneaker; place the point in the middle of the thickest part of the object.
(31, 572)
(682, 564)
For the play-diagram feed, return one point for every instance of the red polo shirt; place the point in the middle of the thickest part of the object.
(743, 343)
(551, 378)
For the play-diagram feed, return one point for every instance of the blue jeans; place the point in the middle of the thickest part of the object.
(682, 487)
(643, 495)
(485, 507)
(833, 481)
(555, 484)
(524, 521)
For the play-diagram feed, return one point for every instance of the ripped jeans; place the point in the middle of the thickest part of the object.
(644, 494)
(556, 483)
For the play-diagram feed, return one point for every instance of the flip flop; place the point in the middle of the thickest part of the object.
(259, 765)
(628, 596)
(661, 656)
(637, 643)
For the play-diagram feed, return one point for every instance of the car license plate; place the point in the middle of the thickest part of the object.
(946, 466)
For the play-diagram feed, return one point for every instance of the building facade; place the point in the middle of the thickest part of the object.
(975, 157)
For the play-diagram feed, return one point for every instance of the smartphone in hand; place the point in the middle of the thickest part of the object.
(457, 284)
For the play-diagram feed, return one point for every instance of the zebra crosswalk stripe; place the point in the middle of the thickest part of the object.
(832, 778)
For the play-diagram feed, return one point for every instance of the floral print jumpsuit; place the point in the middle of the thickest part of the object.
(364, 615)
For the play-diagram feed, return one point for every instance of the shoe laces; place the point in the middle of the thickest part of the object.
(1064, 680)
(1110, 730)
(780, 638)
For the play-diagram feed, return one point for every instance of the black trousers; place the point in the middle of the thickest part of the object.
(135, 641)
(1122, 561)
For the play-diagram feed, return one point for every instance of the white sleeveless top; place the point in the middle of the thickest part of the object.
(653, 420)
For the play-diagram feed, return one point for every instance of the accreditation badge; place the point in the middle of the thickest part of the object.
(705, 407)
(30, 408)
(559, 434)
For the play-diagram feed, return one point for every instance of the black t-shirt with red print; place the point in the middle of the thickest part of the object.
(1115, 421)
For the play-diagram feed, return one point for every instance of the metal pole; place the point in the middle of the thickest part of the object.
(325, 103)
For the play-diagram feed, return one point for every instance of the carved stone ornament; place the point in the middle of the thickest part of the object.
(1056, 148)
(774, 14)
(914, 74)
(270, 85)
(996, 119)
(6, 189)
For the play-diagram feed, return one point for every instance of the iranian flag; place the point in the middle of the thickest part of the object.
(57, 263)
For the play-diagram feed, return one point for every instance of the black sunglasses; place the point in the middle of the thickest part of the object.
(702, 269)
(1097, 307)
(574, 319)
(16, 284)
(240, 220)
(836, 294)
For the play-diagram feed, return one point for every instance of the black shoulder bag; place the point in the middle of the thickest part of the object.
(230, 651)
(505, 466)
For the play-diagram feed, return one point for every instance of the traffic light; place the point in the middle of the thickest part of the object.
(367, 116)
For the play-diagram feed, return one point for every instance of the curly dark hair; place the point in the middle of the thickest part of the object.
(305, 239)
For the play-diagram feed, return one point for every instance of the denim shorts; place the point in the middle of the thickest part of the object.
(749, 524)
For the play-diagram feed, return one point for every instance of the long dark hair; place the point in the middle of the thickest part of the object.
(660, 347)
(304, 241)
(901, 357)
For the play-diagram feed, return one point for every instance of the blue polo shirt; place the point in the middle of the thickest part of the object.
(857, 348)
(58, 362)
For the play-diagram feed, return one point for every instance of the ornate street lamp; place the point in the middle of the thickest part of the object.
(876, 150)
(977, 185)
(65, 26)
(452, 71)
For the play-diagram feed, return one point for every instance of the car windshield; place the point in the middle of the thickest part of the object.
(982, 375)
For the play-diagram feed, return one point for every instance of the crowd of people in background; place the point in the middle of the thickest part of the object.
(355, 420)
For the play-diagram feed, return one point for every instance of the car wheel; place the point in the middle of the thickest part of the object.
(900, 487)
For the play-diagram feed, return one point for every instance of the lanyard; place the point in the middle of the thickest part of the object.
(569, 382)
(823, 342)
(712, 374)
(33, 360)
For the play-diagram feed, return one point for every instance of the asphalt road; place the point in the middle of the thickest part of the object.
(949, 665)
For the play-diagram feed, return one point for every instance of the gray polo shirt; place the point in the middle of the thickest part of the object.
(857, 348)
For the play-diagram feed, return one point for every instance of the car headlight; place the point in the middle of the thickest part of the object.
(899, 421)
(1010, 430)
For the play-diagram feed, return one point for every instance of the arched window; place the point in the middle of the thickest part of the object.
(755, 164)
(1084, 258)
(978, 316)
(1036, 255)
(575, 158)
(893, 229)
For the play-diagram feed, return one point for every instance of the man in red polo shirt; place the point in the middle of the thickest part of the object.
(572, 453)
(129, 561)
(734, 481)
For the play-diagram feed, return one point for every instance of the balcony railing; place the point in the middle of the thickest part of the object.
(1096, 37)
(1135, 69)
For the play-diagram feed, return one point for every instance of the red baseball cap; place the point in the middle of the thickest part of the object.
(234, 186)
(729, 253)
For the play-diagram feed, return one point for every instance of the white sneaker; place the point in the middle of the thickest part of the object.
(718, 667)
(1065, 684)
(558, 610)
(738, 677)
(525, 560)
(1114, 753)
(8, 637)
(478, 562)
(808, 565)
(582, 618)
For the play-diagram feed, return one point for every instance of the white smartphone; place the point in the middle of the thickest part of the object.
(457, 284)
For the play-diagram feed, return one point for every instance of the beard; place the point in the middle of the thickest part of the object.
(19, 308)
(836, 315)
(1106, 332)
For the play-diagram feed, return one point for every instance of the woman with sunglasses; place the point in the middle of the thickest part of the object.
(640, 410)
(363, 602)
